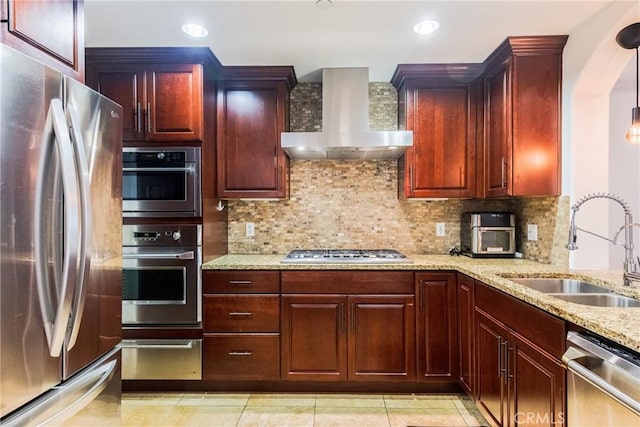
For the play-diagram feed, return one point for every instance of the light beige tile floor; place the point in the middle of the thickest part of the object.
(297, 410)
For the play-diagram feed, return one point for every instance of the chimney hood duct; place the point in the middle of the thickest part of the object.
(345, 124)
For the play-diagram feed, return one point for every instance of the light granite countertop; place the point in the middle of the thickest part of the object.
(620, 324)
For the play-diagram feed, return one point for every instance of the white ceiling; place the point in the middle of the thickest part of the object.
(348, 33)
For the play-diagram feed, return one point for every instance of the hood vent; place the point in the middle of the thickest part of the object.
(345, 124)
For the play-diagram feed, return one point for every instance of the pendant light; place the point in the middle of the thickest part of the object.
(629, 38)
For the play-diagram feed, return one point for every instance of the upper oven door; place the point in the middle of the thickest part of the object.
(161, 286)
(155, 186)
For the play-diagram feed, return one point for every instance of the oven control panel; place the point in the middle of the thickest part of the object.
(162, 235)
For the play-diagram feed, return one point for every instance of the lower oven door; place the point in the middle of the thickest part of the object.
(161, 286)
(161, 359)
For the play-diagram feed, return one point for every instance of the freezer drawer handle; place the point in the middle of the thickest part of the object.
(181, 255)
(94, 382)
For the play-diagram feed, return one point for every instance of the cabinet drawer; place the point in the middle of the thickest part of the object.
(241, 282)
(241, 357)
(241, 313)
(347, 282)
(544, 330)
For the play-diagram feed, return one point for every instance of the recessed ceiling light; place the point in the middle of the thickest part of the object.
(323, 4)
(195, 30)
(426, 27)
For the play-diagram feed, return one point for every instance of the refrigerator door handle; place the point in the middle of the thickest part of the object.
(84, 188)
(56, 318)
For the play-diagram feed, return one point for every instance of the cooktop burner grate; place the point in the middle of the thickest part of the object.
(345, 256)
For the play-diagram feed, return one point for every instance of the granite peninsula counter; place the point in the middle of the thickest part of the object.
(621, 325)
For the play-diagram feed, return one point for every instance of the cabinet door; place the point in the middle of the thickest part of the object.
(313, 337)
(536, 386)
(465, 332)
(491, 380)
(537, 146)
(437, 344)
(251, 117)
(441, 162)
(498, 137)
(174, 102)
(51, 31)
(124, 84)
(381, 338)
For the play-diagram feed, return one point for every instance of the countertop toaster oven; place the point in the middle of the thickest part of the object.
(488, 234)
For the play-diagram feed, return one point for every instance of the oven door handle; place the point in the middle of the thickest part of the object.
(184, 169)
(160, 346)
(179, 255)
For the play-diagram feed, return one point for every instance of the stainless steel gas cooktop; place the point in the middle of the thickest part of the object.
(345, 256)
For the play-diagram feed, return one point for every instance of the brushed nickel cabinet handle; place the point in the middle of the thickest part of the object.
(240, 353)
(148, 117)
(138, 118)
(240, 313)
(240, 282)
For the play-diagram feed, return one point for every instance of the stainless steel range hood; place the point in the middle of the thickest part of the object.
(345, 124)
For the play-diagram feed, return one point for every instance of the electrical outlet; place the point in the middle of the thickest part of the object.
(440, 229)
(249, 229)
(532, 232)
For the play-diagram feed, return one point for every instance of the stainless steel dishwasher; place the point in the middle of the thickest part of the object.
(603, 383)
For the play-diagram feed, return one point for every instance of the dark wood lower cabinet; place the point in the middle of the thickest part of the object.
(381, 337)
(241, 357)
(517, 381)
(466, 338)
(354, 337)
(314, 344)
(491, 381)
(436, 327)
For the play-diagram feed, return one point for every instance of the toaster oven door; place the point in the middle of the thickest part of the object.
(493, 240)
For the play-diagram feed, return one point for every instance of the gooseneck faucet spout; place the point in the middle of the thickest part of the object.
(630, 266)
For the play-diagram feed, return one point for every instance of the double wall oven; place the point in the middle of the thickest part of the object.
(162, 257)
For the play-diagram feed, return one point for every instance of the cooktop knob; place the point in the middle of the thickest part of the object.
(176, 235)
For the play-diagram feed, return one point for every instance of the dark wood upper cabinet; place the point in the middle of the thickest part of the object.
(522, 117)
(253, 110)
(51, 31)
(161, 102)
(438, 103)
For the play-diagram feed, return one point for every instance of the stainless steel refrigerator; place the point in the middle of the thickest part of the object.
(60, 243)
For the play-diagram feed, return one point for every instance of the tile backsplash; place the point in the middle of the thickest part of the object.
(354, 204)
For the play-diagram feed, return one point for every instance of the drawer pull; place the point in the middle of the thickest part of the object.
(240, 282)
(240, 313)
(240, 353)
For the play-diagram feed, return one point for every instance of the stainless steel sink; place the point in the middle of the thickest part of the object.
(600, 300)
(551, 285)
(577, 291)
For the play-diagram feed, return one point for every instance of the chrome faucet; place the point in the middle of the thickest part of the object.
(630, 267)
